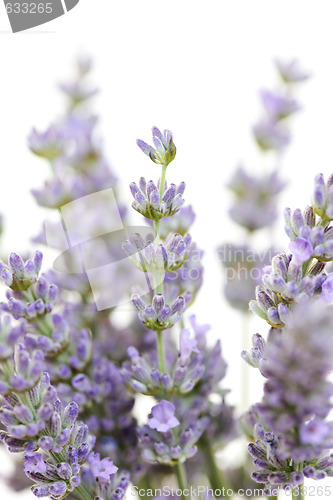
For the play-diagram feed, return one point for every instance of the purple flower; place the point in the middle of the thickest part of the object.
(278, 106)
(327, 288)
(291, 72)
(297, 393)
(187, 345)
(314, 432)
(101, 469)
(301, 249)
(164, 151)
(322, 198)
(271, 135)
(163, 417)
(34, 462)
(154, 202)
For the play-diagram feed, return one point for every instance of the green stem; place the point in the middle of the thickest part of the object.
(324, 222)
(158, 276)
(81, 493)
(160, 351)
(181, 477)
(213, 472)
(157, 231)
(162, 180)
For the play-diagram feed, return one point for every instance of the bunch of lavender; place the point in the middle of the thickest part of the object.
(256, 196)
(79, 369)
(57, 446)
(182, 378)
(298, 276)
(293, 438)
(86, 366)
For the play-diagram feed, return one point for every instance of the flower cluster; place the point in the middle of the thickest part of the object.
(55, 443)
(20, 275)
(292, 432)
(169, 256)
(158, 315)
(323, 197)
(254, 206)
(308, 239)
(296, 277)
(183, 369)
(285, 283)
(271, 132)
(155, 202)
(167, 442)
(164, 151)
(293, 438)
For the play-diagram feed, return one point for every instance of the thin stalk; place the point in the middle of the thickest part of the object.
(213, 472)
(157, 231)
(162, 180)
(158, 274)
(181, 478)
(160, 351)
(81, 493)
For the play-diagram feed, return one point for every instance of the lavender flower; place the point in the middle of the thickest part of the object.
(284, 283)
(168, 256)
(20, 275)
(297, 393)
(159, 315)
(55, 442)
(155, 203)
(47, 144)
(163, 417)
(278, 106)
(9, 336)
(271, 135)
(175, 443)
(308, 238)
(255, 198)
(164, 151)
(322, 198)
(257, 352)
(184, 369)
(100, 489)
(290, 71)
(101, 469)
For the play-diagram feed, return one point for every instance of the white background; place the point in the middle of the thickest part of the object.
(194, 67)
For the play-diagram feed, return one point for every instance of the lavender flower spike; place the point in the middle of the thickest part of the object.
(164, 151)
